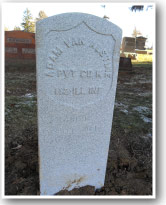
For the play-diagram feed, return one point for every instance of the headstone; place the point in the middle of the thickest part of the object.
(125, 64)
(128, 44)
(140, 42)
(77, 69)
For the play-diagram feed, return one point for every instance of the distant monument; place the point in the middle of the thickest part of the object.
(128, 44)
(131, 44)
(140, 43)
(77, 69)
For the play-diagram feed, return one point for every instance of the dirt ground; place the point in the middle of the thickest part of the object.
(129, 166)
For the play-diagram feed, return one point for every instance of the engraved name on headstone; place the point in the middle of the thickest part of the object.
(77, 69)
(18, 40)
(10, 50)
(28, 50)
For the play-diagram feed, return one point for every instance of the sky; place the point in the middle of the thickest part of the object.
(118, 13)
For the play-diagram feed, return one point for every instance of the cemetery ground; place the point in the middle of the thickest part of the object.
(129, 166)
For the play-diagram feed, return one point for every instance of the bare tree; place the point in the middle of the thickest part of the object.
(136, 33)
(6, 28)
(17, 28)
(41, 16)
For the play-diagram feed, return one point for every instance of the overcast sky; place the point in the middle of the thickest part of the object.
(118, 13)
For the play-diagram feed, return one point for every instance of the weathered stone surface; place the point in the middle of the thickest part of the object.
(77, 68)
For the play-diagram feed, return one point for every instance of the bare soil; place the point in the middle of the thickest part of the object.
(129, 166)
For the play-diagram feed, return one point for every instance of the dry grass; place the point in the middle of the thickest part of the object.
(143, 58)
(129, 166)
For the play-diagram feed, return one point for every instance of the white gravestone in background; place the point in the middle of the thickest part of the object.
(77, 69)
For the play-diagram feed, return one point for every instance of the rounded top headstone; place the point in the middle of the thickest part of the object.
(67, 21)
(80, 52)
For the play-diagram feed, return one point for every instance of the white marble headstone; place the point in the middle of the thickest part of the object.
(77, 69)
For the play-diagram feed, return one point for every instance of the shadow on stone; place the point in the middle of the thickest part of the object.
(86, 190)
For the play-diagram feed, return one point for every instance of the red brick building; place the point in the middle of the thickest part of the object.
(19, 47)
